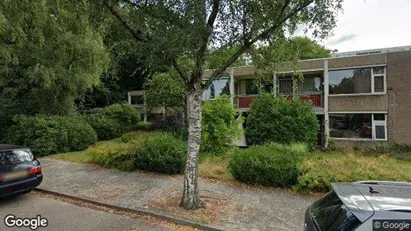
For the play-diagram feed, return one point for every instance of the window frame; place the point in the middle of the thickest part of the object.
(384, 75)
(373, 124)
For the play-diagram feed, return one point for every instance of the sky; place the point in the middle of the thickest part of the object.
(371, 24)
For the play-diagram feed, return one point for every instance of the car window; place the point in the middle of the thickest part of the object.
(8, 157)
(330, 213)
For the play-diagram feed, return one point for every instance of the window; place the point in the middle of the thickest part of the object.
(217, 88)
(247, 87)
(309, 84)
(358, 126)
(330, 213)
(357, 81)
(137, 99)
(286, 86)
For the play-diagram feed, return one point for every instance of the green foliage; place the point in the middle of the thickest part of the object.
(112, 121)
(51, 134)
(320, 170)
(118, 159)
(219, 125)
(268, 165)
(106, 128)
(165, 154)
(144, 125)
(165, 90)
(125, 115)
(51, 52)
(275, 119)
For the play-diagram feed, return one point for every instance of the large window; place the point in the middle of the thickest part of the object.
(217, 88)
(247, 87)
(358, 126)
(357, 81)
(309, 84)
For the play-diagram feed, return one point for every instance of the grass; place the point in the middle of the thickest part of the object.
(215, 167)
(318, 169)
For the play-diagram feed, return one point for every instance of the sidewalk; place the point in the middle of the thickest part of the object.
(230, 206)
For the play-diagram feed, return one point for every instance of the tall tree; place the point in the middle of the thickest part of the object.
(181, 30)
(50, 52)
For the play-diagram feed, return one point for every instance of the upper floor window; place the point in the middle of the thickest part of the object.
(217, 88)
(357, 81)
(247, 87)
(309, 84)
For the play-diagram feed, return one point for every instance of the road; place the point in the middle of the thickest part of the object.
(63, 216)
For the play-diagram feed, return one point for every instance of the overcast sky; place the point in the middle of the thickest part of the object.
(369, 24)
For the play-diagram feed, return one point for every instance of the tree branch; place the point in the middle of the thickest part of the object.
(180, 71)
(210, 25)
(136, 33)
(265, 33)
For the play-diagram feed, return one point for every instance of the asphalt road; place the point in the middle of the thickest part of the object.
(64, 216)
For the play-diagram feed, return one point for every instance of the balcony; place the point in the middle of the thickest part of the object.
(316, 99)
(244, 101)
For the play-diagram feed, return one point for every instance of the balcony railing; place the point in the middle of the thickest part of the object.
(316, 99)
(244, 101)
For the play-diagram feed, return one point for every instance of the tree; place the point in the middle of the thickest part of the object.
(51, 51)
(185, 31)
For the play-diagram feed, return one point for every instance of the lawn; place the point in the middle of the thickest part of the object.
(318, 169)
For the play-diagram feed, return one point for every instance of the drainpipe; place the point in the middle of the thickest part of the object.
(274, 84)
(231, 73)
(326, 115)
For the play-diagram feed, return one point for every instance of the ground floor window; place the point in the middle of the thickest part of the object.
(359, 126)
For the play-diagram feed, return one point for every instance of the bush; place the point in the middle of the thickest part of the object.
(267, 165)
(80, 134)
(144, 126)
(219, 125)
(112, 121)
(105, 128)
(125, 115)
(119, 159)
(275, 119)
(320, 170)
(51, 134)
(165, 154)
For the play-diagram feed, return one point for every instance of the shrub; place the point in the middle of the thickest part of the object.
(219, 125)
(125, 115)
(106, 128)
(320, 170)
(80, 134)
(144, 125)
(165, 154)
(267, 165)
(51, 134)
(275, 119)
(119, 159)
(112, 121)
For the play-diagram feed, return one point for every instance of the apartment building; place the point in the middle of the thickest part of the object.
(360, 98)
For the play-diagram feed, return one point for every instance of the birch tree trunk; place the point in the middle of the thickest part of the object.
(191, 198)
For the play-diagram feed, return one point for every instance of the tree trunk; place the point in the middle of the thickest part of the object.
(191, 198)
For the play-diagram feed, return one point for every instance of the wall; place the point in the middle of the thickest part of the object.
(358, 103)
(399, 92)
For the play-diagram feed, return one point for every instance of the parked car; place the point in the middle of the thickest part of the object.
(20, 171)
(361, 206)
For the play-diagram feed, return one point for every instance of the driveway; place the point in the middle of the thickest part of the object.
(233, 206)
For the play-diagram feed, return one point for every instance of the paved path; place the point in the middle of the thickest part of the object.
(245, 209)
(62, 216)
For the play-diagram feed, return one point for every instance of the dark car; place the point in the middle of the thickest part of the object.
(20, 172)
(361, 206)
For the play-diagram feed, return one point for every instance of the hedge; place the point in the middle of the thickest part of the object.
(51, 134)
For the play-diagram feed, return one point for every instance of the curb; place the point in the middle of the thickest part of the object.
(140, 211)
